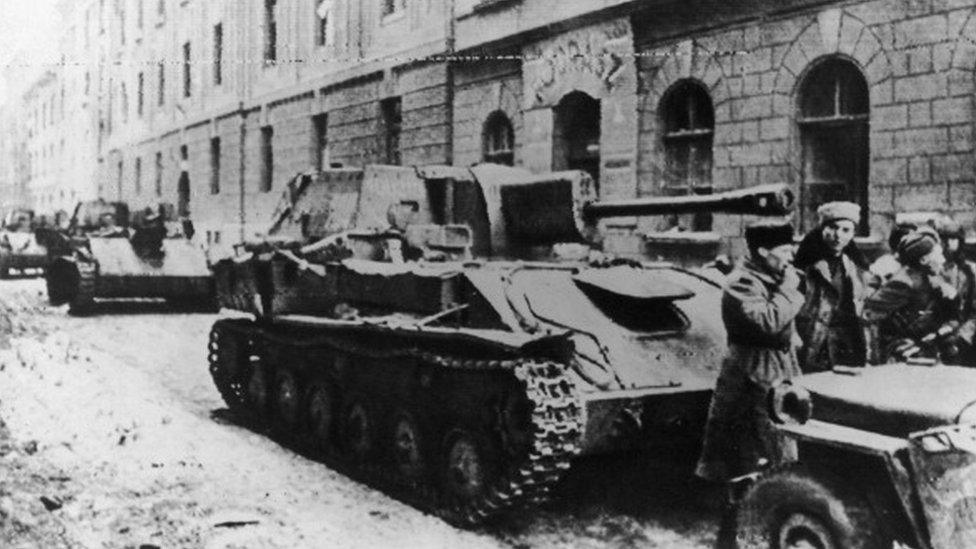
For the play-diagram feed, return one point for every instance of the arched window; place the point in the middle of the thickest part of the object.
(498, 140)
(833, 122)
(688, 123)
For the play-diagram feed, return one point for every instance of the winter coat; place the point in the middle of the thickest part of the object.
(758, 313)
(961, 275)
(906, 307)
(816, 319)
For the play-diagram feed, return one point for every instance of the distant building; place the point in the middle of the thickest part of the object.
(214, 105)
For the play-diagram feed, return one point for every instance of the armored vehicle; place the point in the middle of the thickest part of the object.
(106, 253)
(20, 248)
(403, 327)
(889, 455)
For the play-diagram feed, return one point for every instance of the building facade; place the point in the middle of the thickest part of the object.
(213, 106)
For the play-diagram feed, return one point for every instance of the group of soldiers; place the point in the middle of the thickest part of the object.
(793, 309)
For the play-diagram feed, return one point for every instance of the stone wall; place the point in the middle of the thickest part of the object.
(917, 58)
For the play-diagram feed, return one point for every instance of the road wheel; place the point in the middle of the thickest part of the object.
(321, 406)
(409, 451)
(257, 388)
(793, 508)
(470, 465)
(358, 432)
(287, 398)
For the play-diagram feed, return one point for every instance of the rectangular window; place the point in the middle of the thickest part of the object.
(138, 175)
(140, 93)
(87, 82)
(111, 106)
(140, 14)
(324, 23)
(320, 143)
(118, 181)
(392, 125)
(270, 31)
(161, 88)
(392, 6)
(120, 10)
(101, 16)
(187, 83)
(215, 165)
(267, 158)
(159, 174)
(218, 54)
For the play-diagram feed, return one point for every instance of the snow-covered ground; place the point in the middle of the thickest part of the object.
(114, 438)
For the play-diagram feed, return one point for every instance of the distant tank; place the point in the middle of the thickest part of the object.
(21, 250)
(395, 331)
(106, 253)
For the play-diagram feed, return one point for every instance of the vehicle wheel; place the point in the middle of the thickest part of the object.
(321, 406)
(287, 398)
(470, 465)
(408, 447)
(358, 431)
(793, 508)
(257, 389)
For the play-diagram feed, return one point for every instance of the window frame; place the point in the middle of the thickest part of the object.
(498, 120)
(848, 94)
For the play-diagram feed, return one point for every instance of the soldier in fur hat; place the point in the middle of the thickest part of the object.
(961, 275)
(913, 311)
(760, 301)
(836, 283)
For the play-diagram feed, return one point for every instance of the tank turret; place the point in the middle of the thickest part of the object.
(563, 207)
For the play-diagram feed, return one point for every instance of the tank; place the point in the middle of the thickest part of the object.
(21, 247)
(107, 253)
(404, 326)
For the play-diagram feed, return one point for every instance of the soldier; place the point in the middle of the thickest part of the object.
(109, 228)
(961, 275)
(760, 301)
(836, 284)
(887, 265)
(148, 237)
(912, 312)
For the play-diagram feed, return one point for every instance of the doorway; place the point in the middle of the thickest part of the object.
(576, 134)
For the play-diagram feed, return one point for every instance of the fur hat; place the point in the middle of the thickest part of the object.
(917, 244)
(836, 211)
(769, 234)
(949, 228)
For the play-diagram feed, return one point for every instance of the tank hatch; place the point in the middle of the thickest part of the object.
(631, 283)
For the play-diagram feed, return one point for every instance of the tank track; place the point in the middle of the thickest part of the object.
(556, 424)
(84, 300)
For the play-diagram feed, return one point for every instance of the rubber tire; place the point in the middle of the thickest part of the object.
(487, 466)
(792, 494)
(322, 431)
(359, 430)
(290, 416)
(405, 428)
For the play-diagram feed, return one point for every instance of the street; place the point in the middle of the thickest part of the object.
(113, 435)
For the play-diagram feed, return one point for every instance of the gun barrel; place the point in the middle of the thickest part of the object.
(773, 199)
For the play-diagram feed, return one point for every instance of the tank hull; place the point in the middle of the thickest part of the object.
(110, 268)
(22, 253)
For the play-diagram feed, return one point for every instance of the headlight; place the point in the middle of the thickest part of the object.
(789, 403)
